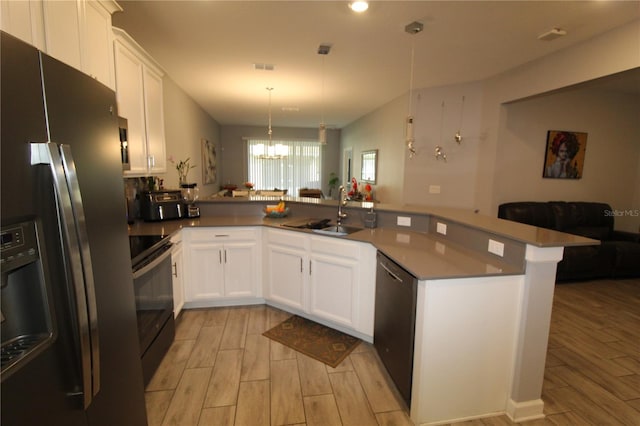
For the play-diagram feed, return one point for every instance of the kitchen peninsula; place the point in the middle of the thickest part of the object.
(485, 290)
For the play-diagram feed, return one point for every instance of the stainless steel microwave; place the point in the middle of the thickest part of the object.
(124, 142)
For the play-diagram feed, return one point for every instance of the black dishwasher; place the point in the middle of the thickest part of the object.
(395, 320)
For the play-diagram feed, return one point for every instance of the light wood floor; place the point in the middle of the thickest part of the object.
(222, 371)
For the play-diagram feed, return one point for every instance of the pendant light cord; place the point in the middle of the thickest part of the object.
(413, 45)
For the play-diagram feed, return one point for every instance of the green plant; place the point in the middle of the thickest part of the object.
(333, 182)
(183, 168)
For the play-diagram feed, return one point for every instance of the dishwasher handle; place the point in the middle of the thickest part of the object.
(391, 274)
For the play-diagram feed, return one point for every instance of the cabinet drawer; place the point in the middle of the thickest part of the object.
(288, 238)
(224, 234)
(335, 246)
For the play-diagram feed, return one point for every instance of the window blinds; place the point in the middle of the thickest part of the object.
(297, 164)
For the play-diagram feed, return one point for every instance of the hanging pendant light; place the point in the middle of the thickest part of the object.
(271, 151)
(323, 50)
(458, 136)
(413, 29)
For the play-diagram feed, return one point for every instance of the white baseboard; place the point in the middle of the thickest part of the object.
(525, 411)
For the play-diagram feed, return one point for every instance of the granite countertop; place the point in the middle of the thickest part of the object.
(424, 255)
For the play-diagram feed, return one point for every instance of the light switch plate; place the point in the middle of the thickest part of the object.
(441, 228)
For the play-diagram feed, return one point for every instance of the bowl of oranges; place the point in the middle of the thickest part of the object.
(276, 211)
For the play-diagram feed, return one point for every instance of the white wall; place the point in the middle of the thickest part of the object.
(185, 124)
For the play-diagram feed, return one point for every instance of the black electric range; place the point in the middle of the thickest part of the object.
(145, 248)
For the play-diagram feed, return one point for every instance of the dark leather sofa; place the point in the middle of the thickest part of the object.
(617, 256)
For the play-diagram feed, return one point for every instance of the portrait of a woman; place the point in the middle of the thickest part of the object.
(565, 154)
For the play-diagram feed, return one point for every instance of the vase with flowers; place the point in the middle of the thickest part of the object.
(183, 167)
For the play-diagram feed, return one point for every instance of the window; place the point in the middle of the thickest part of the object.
(299, 164)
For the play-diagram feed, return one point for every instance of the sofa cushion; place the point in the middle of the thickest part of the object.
(588, 214)
(627, 258)
(563, 217)
(529, 212)
(586, 262)
(601, 233)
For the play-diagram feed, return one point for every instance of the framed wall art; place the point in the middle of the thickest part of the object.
(208, 162)
(564, 155)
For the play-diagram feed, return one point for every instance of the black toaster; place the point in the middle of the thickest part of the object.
(161, 205)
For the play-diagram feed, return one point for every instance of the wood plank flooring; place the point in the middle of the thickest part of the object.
(220, 370)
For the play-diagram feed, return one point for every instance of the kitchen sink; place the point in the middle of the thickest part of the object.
(321, 226)
(337, 230)
(308, 223)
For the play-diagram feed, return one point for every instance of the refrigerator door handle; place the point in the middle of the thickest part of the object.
(73, 225)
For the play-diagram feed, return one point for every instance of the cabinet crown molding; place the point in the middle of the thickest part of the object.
(110, 5)
(123, 37)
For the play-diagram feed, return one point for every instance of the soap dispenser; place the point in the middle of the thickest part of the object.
(370, 219)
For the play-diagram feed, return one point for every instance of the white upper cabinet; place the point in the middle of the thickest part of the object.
(24, 20)
(140, 100)
(76, 32)
(62, 29)
(97, 60)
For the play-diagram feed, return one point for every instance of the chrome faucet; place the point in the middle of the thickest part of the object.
(342, 201)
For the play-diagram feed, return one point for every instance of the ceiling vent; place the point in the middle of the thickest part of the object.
(263, 67)
(324, 49)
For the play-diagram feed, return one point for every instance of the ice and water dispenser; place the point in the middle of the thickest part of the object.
(27, 324)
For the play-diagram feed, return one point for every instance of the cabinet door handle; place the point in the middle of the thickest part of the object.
(220, 256)
(300, 265)
(309, 266)
(225, 255)
(175, 270)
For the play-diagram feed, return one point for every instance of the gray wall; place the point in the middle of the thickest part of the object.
(234, 150)
(383, 129)
(611, 166)
(505, 127)
(185, 125)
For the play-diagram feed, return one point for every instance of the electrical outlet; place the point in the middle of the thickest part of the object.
(404, 221)
(434, 189)
(441, 228)
(496, 247)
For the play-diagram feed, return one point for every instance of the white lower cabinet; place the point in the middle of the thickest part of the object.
(222, 264)
(287, 261)
(327, 278)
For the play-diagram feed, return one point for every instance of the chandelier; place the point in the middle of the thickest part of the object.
(271, 151)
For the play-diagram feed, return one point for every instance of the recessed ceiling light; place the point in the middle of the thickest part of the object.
(359, 6)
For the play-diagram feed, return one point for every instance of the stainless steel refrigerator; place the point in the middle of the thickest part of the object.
(70, 351)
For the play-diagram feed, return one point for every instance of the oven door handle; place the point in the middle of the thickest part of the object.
(146, 268)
